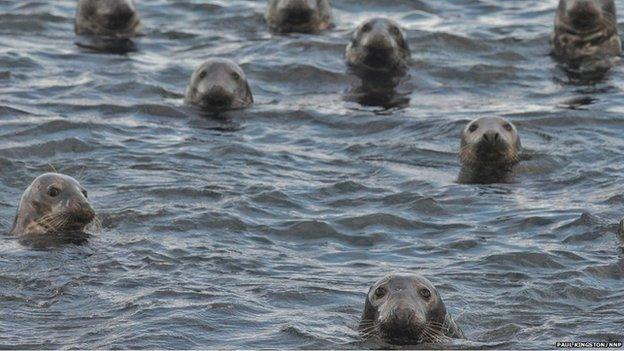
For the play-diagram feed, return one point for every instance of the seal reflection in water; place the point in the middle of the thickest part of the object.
(406, 310)
(107, 25)
(378, 55)
(586, 29)
(217, 85)
(490, 148)
(53, 204)
(304, 16)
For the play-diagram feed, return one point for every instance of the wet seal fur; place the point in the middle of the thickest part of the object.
(490, 149)
(586, 29)
(53, 203)
(107, 25)
(406, 310)
(218, 85)
(303, 16)
(378, 47)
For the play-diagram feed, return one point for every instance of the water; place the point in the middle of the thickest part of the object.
(265, 227)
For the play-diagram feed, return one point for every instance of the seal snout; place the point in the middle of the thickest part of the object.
(217, 97)
(491, 137)
(584, 15)
(118, 16)
(404, 322)
(82, 212)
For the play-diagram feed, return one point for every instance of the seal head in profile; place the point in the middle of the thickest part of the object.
(378, 45)
(406, 310)
(109, 18)
(490, 148)
(586, 29)
(219, 84)
(53, 203)
(303, 16)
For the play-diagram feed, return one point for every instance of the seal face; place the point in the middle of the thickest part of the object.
(304, 16)
(378, 45)
(586, 29)
(406, 310)
(490, 148)
(110, 18)
(53, 203)
(219, 84)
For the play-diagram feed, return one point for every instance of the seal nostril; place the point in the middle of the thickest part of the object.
(496, 136)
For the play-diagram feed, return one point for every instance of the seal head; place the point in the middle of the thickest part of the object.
(586, 29)
(110, 18)
(378, 45)
(406, 310)
(53, 203)
(304, 16)
(490, 148)
(219, 84)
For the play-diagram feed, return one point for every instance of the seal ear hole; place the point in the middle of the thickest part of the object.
(425, 293)
(473, 127)
(380, 292)
(508, 127)
(54, 191)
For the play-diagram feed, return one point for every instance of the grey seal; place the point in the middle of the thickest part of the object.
(378, 45)
(219, 84)
(53, 203)
(406, 310)
(304, 16)
(490, 149)
(109, 18)
(586, 29)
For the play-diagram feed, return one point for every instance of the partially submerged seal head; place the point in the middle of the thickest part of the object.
(109, 18)
(490, 148)
(53, 203)
(219, 84)
(304, 16)
(378, 45)
(586, 29)
(406, 310)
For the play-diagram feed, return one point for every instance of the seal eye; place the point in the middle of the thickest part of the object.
(508, 127)
(425, 293)
(473, 127)
(54, 191)
(85, 194)
(366, 28)
(236, 76)
(202, 75)
(380, 292)
(395, 31)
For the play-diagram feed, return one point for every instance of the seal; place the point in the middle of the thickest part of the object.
(110, 18)
(378, 45)
(406, 310)
(586, 29)
(303, 16)
(53, 203)
(490, 148)
(219, 84)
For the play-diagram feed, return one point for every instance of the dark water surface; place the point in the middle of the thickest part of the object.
(265, 227)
